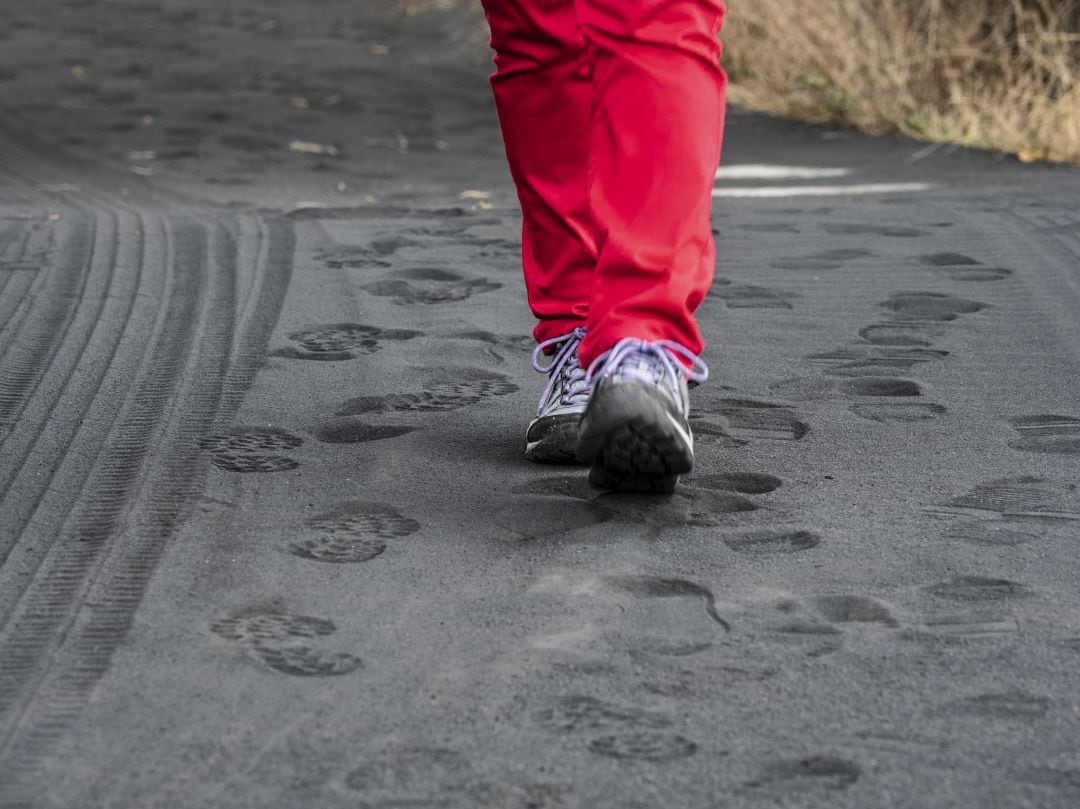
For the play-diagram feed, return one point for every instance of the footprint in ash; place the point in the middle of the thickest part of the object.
(613, 731)
(772, 541)
(875, 386)
(1005, 512)
(870, 361)
(899, 347)
(1055, 435)
(800, 776)
(649, 587)
(693, 506)
(449, 389)
(351, 430)
(753, 419)
(470, 386)
(979, 589)
(643, 745)
(895, 348)
(741, 482)
(388, 245)
(713, 431)
(353, 258)
(428, 285)
(252, 449)
(1007, 706)
(758, 542)
(992, 534)
(748, 296)
(931, 306)
(823, 260)
(864, 229)
(903, 333)
(492, 248)
(352, 532)
(284, 642)
(820, 625)
(958, 267)
(980, 622)
(878, 398)
(854, 609)
(334, 342)
(651, 619)
(1017, 500)
(805, 635)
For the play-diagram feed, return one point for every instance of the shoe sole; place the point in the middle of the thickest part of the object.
(633, 442)
(558, 446)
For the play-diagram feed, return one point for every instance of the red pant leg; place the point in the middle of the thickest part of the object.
(543, 94)
(657, 125)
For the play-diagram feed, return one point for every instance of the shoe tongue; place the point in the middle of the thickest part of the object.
(640, 367)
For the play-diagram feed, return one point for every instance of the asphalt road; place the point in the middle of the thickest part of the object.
(266, 535)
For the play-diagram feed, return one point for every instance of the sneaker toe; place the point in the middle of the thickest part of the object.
(553, 439)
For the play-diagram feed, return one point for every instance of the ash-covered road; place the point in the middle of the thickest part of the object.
(266, 535)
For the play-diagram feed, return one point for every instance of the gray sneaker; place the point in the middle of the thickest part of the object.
(635, 431)
(553, 435)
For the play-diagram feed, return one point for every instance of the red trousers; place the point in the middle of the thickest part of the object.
(612, 112)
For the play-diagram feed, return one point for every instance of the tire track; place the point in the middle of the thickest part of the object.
(27, 249)
(42, 616)
(161, 352)
(9, 270)
(1055, 238)
(264, 254)
(14, 287)
(187, 366)
(67, 383)
(31, 353)
(36, 506)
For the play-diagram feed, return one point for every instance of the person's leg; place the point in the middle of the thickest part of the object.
(658, 115)
(543, 94)
(656, 131)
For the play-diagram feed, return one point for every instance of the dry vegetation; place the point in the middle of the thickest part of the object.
(993, 74)
(997, 74)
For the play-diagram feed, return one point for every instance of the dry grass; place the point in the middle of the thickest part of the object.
(992, 74)
(996, 74)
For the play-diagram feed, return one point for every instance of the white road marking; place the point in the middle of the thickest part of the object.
(781, 192)
(760, 171)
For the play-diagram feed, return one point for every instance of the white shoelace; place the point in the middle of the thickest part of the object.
(576, 385)
(648, 361)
